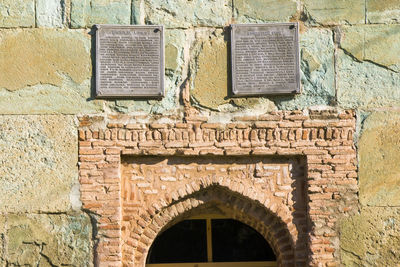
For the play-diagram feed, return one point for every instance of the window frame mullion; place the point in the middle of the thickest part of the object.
(209, 240)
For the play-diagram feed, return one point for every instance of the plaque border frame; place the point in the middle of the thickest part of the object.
(161, 91)
(237, 93)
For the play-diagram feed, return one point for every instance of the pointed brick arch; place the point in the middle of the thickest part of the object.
(231, 204)
(271, 184)
(243, 188)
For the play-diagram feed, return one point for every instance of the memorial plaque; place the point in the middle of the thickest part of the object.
(129, 61)
(265, 59)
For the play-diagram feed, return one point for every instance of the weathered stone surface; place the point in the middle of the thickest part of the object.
(335, 12)
(264, 10)
(254, 104)
(183, 13)
(2, 239)
(383, 12)
(166, 106)
(137, 16)
(210, 85)
(376, 43)
(86, 13)
(382, 45)
(41, 56)
(365, 85)
(352, 41)
(47, 240)
(174, 44)
(317, 72)
(171, 56)
(17, 13)
(69, 98)
(379, 157)
(371, 238)
(38, 157)
(49, 13)
(52, 76)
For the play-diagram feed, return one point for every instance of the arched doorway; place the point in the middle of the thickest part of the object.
(210, 240)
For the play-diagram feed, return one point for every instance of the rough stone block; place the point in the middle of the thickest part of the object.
(49, 13)
(171, 57)
(38, 156)
(43, 57)
(368, 67)
(69, 98)
(371, 238)
(86, 13)
(379, 157)
(375, 43)
(317, 71)
(48, 240)
(183, 13)
(352, 41)
(174, 46)
(365, 84)
(264, 10)
(335, 12)
(383, 12)
(382, 45)
(45, 71)
(210, 84)
(17, 13)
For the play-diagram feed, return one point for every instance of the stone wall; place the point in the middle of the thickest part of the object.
(349, 60)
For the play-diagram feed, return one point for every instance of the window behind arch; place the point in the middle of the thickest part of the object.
(210, 241)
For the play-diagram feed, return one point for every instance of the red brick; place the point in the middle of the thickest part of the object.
(212, 126)
(113, 151)
(270, 117)
(90, 151)
(81, 135)
(266, 124)
(135, 126)
(85, 144)
(246, 118)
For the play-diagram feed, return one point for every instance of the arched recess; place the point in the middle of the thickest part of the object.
(218, 200)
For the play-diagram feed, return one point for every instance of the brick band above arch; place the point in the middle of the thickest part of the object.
(318, 143)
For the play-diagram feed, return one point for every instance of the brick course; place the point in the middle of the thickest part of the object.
(121, 184)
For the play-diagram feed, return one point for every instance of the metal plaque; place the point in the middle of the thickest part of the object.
(129, 61)
(265, 59)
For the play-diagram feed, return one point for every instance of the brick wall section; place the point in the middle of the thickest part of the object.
(323, 138)
(187, 183)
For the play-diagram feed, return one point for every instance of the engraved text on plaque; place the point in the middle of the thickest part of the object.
(265, 59)
(129, 61)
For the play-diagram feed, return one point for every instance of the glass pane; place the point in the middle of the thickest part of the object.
(235, 241)
(186, 241)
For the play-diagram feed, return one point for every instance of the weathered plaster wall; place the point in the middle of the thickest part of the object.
(349, 59)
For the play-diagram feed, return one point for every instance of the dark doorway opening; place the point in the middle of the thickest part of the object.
(210, 241)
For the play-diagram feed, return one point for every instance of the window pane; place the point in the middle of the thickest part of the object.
(186, 241)
(235, 241)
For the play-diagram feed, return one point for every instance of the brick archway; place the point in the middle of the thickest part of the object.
(219, 199)
(126, 200)
(172, 185)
